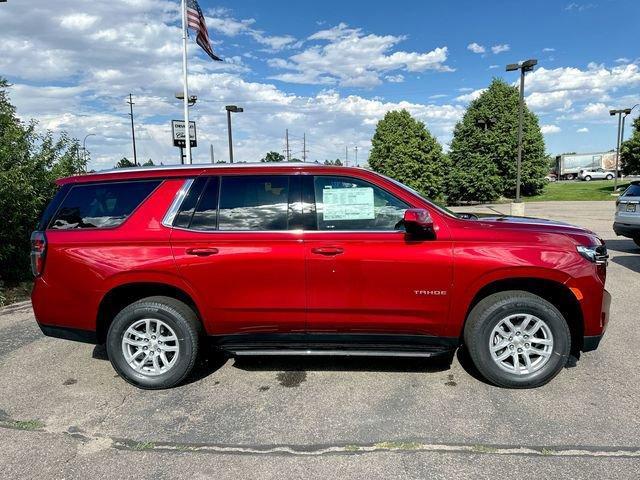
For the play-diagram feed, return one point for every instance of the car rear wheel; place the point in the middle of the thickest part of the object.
(153, 343)
(587, 178)
(517, 339)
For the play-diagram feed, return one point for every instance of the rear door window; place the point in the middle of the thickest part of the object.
(104, 205)
(254, 202)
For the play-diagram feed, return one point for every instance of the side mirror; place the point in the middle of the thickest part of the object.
(418, 222)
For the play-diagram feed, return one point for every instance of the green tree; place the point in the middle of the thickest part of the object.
(29, 165)
(485, 145)
(148, 163)
(630, 151)
(124, 162)
(273, 157)
(336, 162)
(403, 148)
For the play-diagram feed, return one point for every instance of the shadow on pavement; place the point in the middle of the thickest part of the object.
(632, 263)
(624, 246)
(341, 364)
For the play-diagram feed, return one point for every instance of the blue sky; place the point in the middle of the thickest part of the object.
(327, 69)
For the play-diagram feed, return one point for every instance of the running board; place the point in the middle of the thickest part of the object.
(323, 352)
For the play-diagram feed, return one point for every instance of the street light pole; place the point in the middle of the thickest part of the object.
(84, 147)
(622, 113)
(230, 109)
(526, 66)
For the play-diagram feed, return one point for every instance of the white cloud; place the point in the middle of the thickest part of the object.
(395, 78)
(548, 49)
(469, 97)
(78, 21)
(504, 47)
(348, 57)
(561, 87)
(583, 130)
(623, 60)
(492, 67)
(578, 7)
(476, 48)
(549, 129)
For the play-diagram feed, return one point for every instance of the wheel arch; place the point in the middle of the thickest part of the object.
(557, 293)
(122, 295)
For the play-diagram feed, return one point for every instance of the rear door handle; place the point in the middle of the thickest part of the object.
(202, 252)
(327, 251)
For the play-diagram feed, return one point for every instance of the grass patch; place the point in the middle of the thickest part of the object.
(28, 425)
(141, 446)
(398, 445)
(12, 292)
(577, 190)
(484, 449)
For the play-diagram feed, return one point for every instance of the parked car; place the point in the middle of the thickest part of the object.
(588, 174)
(307, 260)
(627, 218)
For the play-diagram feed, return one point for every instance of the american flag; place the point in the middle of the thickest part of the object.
(195, 20)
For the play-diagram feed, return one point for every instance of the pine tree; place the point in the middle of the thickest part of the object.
(630, 151)
(403, 148)
(484, 149)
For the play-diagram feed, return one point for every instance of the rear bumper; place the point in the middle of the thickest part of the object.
(626, 229)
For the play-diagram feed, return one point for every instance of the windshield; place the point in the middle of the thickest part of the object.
(442, 209)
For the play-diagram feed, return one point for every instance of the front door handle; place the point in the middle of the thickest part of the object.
(202, 252)
(327, 251)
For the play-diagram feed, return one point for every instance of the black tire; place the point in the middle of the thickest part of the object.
(177, 315)
(637, 241)
(609, 177)
(587, 178)
(490, 311)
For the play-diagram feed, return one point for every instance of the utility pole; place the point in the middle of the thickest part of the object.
(356, 148)
(133, 131)
(622, 115)
(346, 156)
(286, 139)
(211, 153)
(304, 147)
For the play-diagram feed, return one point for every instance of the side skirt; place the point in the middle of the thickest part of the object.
(346, 344)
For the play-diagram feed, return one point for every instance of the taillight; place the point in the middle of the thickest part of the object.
(38, 251)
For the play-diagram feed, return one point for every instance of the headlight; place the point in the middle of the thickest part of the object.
(596, 254)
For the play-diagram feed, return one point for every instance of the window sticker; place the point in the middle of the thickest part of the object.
(348, 204)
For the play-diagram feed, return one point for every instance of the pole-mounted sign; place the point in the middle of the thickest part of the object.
(179, 136)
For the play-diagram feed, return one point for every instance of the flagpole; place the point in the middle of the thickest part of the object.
(185, 82)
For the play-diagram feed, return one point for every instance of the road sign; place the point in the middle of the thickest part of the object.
(178, 134)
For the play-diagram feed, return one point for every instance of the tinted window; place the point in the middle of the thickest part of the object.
(632, 191)
(188, 206)
(351, 204)
(104, 205)
(206, 214)
(254, 202)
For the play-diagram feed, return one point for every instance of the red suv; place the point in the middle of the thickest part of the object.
(299, 259)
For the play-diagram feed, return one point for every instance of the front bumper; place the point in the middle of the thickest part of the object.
(629, 230)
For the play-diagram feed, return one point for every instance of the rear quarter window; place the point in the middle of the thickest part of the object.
(632, 191)
(104, 205)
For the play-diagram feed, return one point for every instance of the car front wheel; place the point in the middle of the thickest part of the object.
(609, 177)
(587, 178)
(153, 343)
(517, 339)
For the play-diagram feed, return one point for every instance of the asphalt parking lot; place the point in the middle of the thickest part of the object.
(65, 414)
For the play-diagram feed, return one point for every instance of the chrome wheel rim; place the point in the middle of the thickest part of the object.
(150, 347)
(521, 344)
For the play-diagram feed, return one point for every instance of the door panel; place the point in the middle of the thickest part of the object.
(245, 265)
(379, 283)
(364, 274)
